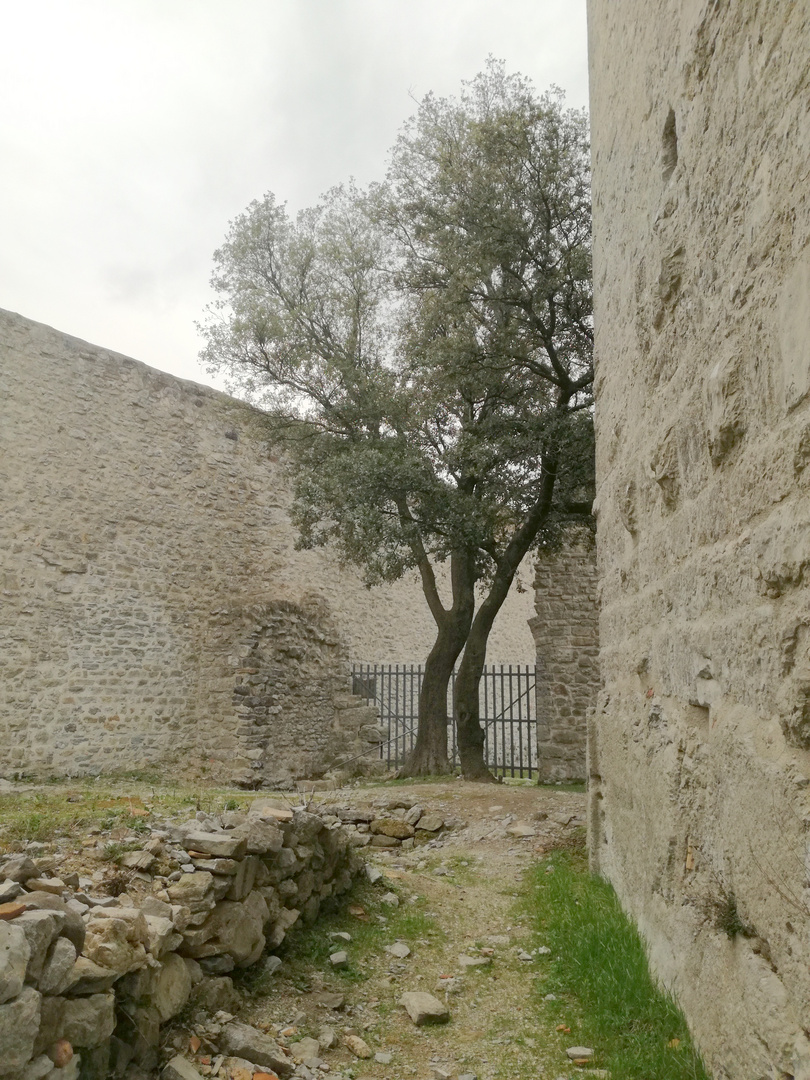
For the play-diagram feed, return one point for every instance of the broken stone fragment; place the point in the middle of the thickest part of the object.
(399, 949)
(40, 928)
(579, 1053)
(89, 1021)
(180, 1069)
(328, 1000)
(19, 868)
(49, 885)
(358, 1046)
(227, 867)
(73, 925)
(382, 841)
(305, 1049)
(262, 837)
(109, 944)
(245, 1041)
(339, 959)
(521, 829)
(15, 953)
(424, 1008)
(327, 1038)
(218, 844)
(194, 891)
(399, 830)
(465, 961)
(270, 812)
(9, 890)
(88, 977)
(161, 934)
(430, 822)
(19, 1026)
(233, 929)
(58, 970)
(137, 860)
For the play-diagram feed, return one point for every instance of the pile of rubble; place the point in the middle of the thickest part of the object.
(87, 979)
(390, 822)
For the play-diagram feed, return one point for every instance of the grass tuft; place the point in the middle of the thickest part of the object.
(598, 970)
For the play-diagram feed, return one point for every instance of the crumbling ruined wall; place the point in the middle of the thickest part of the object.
(566, 634)
(148, 574)
(699, 755)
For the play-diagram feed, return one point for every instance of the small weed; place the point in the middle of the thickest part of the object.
(114, 849)
(728, 919)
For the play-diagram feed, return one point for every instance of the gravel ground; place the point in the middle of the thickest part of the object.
(465, 884)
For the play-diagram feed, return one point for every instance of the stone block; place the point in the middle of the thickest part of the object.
(19, 1027)
(15, 952)
(88, 1021)
(217, 844)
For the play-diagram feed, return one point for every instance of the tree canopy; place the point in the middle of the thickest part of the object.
(423, 351)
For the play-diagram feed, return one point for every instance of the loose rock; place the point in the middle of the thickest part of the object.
(358, 1046)
(579, 1052)
(180, 1069)
(398, 949)
(424, 1008)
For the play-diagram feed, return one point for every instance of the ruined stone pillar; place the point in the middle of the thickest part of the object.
(566, 635)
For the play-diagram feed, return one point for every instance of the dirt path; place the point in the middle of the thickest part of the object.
(456, 898)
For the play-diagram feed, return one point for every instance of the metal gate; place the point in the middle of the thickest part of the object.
(507, 708)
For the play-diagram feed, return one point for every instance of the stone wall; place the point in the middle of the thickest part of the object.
(700, 752)
(150, 584)
(87, 978)
(566, 634)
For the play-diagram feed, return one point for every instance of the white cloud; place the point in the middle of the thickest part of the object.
(132, 132)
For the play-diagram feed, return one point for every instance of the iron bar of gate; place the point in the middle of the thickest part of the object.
(395, 691)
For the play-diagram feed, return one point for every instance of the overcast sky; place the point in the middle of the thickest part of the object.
(132, 131)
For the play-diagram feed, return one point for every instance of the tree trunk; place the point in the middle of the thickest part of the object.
(429, 755)
(469, 732)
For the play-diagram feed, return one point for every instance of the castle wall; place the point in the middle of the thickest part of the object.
(566, 634)
(148, 577)
(700, 751)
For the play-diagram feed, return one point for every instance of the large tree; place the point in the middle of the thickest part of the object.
(423, 351)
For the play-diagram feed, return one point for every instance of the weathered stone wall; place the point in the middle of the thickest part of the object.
(87, 979)
(699, 753)
(148, 576)
(566, 633)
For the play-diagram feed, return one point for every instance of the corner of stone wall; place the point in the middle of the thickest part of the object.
(286, 712)
(566, 635)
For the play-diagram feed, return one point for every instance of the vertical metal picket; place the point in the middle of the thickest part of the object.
(507, 713)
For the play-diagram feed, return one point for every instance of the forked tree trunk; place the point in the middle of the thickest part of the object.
(469, 732)
(429, 755)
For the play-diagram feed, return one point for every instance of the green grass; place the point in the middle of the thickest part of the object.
(598, 970)
(307, 949)
(110, 803)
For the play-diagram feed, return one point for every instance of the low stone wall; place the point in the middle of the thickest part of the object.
(566, 634)
(86, 980)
